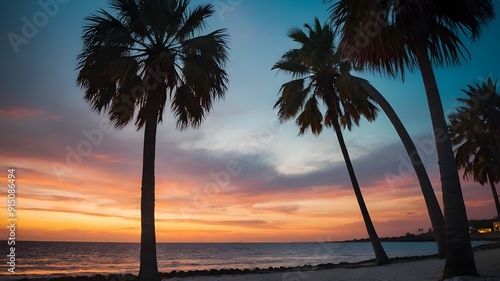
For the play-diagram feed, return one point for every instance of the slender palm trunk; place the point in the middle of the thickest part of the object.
(380, 254)
(149, 267)
(495, 195)
(435, 214)
(459, 255)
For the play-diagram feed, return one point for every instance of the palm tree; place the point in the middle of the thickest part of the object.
(435, 214)
(474, 129)
(316, 69)
(390, 36)
(145, 53)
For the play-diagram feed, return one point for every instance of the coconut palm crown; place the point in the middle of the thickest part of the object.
(318, 68)
(385, 35)
(152, 46)
(474, 130)
(144, 56)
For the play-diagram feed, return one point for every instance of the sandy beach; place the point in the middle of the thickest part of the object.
(487, 262)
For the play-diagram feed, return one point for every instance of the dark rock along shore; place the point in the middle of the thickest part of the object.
(231, 271)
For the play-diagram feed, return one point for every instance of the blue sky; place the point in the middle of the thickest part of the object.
(43, 114)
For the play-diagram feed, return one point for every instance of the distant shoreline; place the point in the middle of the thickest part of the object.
(425, 237)
(428, 237)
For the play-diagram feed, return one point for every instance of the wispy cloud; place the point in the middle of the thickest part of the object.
(19, 113)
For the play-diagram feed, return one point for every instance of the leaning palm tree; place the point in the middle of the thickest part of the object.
(474, 129)
(390, 36)
(435, 214)
(316, 69)
(135, 61)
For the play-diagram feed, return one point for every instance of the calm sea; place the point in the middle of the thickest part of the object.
(44, 259)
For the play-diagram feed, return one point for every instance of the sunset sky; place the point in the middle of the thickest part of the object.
(242, 176)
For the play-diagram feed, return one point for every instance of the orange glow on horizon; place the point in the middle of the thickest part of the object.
(90, 205)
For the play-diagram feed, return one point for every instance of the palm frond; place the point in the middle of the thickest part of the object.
(297, 35)
(467, 16)
(474, 132)
(293, 67)
(310, 117)
(187, 109)
(213, 45)
(292, 99)
(130, 14)
(195, 20)
(383, 35)
(129, 95)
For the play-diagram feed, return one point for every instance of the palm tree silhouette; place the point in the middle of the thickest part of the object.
(434, 210)
(145, 53)
(391, 36)
(474, 129)
(317, 71)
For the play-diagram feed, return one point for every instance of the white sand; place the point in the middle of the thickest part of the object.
(487, 263)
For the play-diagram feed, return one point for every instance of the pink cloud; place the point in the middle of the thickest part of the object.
(17, 112)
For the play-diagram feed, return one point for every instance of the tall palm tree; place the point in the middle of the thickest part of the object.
(474, 129)
(435, 214)
(316, 69)
(393, 35)
(145, 53)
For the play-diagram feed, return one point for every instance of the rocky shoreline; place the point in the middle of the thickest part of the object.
(429, 237)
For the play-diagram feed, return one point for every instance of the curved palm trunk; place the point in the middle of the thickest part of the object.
(435, 214)
(380, 254)
(495, 195)
(149, 267)
(459, 255)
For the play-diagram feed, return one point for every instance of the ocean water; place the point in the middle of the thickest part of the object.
(53, 259)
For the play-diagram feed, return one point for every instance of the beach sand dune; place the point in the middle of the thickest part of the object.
(487, 262)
